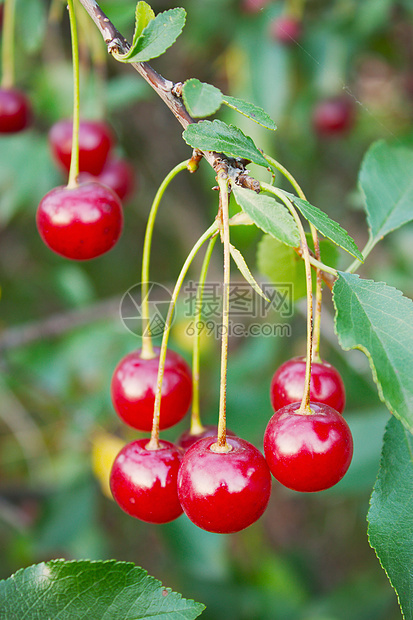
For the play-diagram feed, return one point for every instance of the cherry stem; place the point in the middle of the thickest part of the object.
(7, 45)
(196, 424)
(319, 276)
(98, 57)
(74, 160)
(305, 402)
(147, 351)
(154, 440)
(221, 444)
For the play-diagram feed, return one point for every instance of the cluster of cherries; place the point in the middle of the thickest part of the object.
(224, 490)
(84, 220)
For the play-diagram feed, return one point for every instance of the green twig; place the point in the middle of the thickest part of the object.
(153, 444)
(147, 348)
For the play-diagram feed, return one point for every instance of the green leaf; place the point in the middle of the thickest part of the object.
(143, 15)
(251, 111)
(245, 271)
(281, 264)
(390, 516)
(201, 99)
(326, 226)
(269, 215)
(386, 180)
(84, 590)
(378, 320)
(156, 37)
(218, 136)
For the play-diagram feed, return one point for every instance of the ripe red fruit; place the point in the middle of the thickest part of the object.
(334, 116)
(286, 29)
(224, 492)
(326, 386)
(187, 438)
(81, 222)
(117, 174)
(144, 482)
(308, 452)
(15, 111)
(95, 142)
(133, 390)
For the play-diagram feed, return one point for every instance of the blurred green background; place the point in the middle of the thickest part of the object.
(61, 336)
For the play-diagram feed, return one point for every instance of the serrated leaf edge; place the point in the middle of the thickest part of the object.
(233, 107)
(368, 522)
(367, 352)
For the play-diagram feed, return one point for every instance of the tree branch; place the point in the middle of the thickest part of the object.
(165, 89)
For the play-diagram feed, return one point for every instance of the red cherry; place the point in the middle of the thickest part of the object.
(144, 482)
(81, 222)
(95, 142)
(224, 492)
(134, 387)
(15, 111)
(286, 29)
(308, 452)
(187, 439)
(326, 385)
(117, 174)
(253, 6)
(334, 116)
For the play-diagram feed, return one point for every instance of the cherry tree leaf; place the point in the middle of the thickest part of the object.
(390, 516)
(143, 15)
(386, 180)
(251, 111)
(281, 264)
(326, 226)
(218, 136)
(377, 319)
(157, 36)
(269, 215)
(245, 271)
(201, 99)
(83, 590)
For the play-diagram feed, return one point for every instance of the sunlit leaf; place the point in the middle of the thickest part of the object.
(156, 37)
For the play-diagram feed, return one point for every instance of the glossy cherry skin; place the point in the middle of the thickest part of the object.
(334, 116)
(133, 390)
(308, 452)
(326, 384)
(95, 143)
(224, 492)
(15, 111)
(117, 174)
(286, 30)
(81, 222)
(187, 439)
(144, 482)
